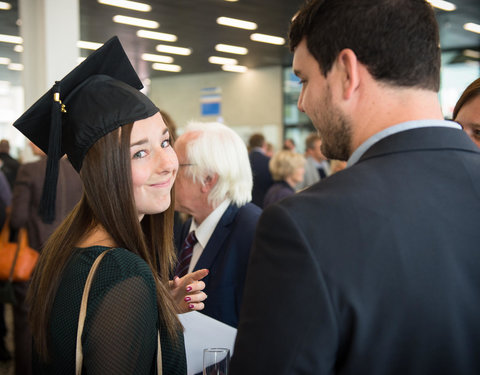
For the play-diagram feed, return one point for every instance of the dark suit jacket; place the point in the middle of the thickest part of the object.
(262, 179)
(226, 257)
(375, 270)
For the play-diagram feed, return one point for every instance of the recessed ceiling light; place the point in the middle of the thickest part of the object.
(4, 61)
(18, 48)
(140, 22)
(15, 66)
(5, 6)
(156, 35)
(473, 27)
(472, 54)
(167, 67)
(231, 49)
(232, 1)
(233, 22)
(267, 39)
(443, 5)
(141, 7)
(11, 39)
(172, 49)
(235, 68)
(221, 60)
(157, 58)
(88, 45)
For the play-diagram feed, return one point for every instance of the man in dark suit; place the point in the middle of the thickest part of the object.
(213, 185)
(375, 270)
(262, 178)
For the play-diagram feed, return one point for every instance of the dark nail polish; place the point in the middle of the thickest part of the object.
(187, 299)
(189, 289)
(191, 306)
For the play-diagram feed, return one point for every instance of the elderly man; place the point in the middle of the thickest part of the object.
(214, 185)
(376, 270)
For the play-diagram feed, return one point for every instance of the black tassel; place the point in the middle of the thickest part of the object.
(49, 194)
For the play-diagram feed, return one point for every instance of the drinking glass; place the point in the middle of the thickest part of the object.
(216, 361)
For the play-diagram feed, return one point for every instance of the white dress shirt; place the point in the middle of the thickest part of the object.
(204, 231)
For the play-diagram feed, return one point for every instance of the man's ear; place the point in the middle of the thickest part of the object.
(209, 182)
(349, 68)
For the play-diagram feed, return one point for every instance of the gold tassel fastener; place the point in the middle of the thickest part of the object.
(56, 98)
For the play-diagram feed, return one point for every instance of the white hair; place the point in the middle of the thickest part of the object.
(217, 149)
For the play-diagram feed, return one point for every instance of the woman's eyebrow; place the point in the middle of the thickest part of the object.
(140, 142)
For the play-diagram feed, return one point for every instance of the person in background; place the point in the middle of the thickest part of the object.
(317, 166)
(5, 200)
(269, 149)
(27, 193)
(467, 111)
(9, 165)
(214, 185)
(262, 179)
(287, 169)
(115, 137)
(289, 144)
(375, 270)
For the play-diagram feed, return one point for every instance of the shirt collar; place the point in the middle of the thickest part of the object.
(357, 154)
(204, 231)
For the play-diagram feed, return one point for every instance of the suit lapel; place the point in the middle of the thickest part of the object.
(216, 241)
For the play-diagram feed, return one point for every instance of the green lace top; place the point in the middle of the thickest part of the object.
(120, 332)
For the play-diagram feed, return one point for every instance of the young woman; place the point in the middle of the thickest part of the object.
(467, 111)
(117, 140)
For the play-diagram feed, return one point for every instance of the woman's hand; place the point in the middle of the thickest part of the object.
(187, 291)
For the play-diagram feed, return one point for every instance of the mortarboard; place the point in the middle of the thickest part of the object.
(98, 96)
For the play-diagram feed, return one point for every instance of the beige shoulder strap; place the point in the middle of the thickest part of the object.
(83, 313)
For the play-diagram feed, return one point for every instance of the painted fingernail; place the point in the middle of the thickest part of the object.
(189, 288)
(186, 299)
(191, 306)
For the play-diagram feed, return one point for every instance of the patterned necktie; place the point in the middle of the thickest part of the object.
(186, 254)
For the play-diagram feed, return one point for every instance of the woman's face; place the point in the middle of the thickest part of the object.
(469, 118)
(298, 174)
(154, 165)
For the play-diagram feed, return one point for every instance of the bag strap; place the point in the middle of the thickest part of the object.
(83, 313)
(12, 269)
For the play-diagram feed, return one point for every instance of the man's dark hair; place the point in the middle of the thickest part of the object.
(256, 140)
(397, 40)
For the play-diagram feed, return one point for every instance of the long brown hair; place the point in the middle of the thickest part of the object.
(107, 201)
(471, 92)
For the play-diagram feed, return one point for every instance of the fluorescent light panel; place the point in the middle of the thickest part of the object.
(15, 66)
(443, 5)
(167, 67)
(473, 27)
(4, 61)
(221, 60)
(233, 22)
(88, 45)
(264, 38)
(11, 39)
(235, 68)
(172, 49)
(5, 6)
(156, 35)
(133, 5)
(140, 22)
(472, 54)
(231, 49)
(157, 58)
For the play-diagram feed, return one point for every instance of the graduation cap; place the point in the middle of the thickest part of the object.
(98, 96)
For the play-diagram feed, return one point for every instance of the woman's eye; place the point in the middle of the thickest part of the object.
(165, 143)
(139, 154)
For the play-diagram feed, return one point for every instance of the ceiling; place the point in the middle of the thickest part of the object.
(194, 23)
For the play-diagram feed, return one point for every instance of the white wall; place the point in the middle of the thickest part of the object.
(250, 102)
